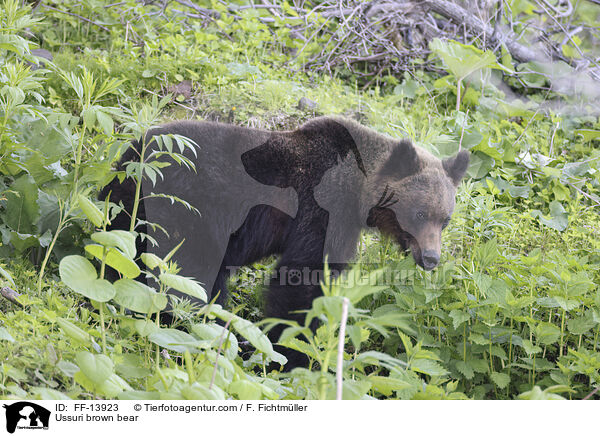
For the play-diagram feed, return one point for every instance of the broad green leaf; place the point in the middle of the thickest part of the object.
(36, 167)
(96, 367)
(513, 190)
(175, 340)
(500, 379)
(391, 316)
(294, 331)
(588, 134)
(546, 333)
(219, 336)
(270, 393)
(145, 327)
(530, 348)
(42, 393)
(431, 295)
(200, 392)
(113, 386)
(471, 139)
(151, 260)
(130, 366)
(90, 210)
(116, 259)
(211, 355)
(576, 169)
(255, 336)
(357, 285)
(23, 241)
(5, 335)
(427, 366)
(49, 212)
(73, 331)
(559, 215)
(581, 325)
(352, 389)
(245, 390)
(479, 365)
(486, 254)
(408, 88)
(330, 306)
(123, 240)
(138, 395)
(480, 165)
(80, 275)
(46, 137)
(465, 369)
(537, 394)
(483, 281)
(353, 332)
(138, 297)
(105, 121)
(558, 220)
(517, 108)
(567, 304)
(478, 339)
(242, 70)
(579, 284)
(252, 333)
(378, 358)
(462, 59)
(184, 284)
(77, 268)
(458, 317)
(89, 116)
(7, 276)
(21, 209)
(386, 385)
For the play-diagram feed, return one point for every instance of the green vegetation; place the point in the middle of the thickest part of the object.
(513, 310)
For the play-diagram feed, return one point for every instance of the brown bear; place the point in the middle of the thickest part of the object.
(303, 195)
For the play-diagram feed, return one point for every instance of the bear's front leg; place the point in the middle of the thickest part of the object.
(296, 282)
(298, 276)
(290, 295)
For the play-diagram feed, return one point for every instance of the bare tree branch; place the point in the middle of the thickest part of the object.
(87, 20)
(461, 16)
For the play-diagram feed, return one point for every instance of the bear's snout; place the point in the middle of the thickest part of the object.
(430, 259)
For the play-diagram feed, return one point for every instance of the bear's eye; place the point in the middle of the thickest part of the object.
(446, 222)
(420, 216)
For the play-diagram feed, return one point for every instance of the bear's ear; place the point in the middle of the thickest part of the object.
(403, 162)
(456, 166)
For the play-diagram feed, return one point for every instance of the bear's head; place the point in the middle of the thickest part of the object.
(412, 199)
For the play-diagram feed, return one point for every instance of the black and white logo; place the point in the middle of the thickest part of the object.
(26, 415)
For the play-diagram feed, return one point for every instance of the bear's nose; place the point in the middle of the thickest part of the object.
(430, 259)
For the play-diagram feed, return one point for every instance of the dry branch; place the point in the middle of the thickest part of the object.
(10, 294)
(87, 20)
(493, 37)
